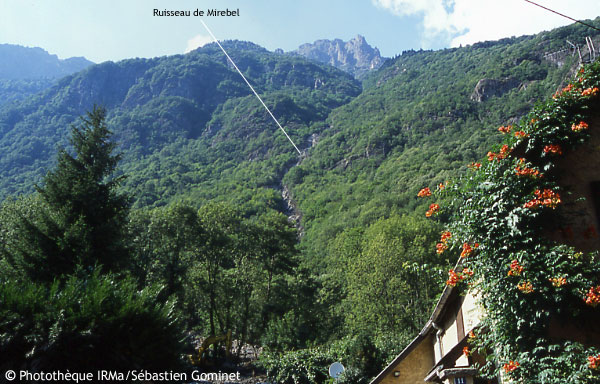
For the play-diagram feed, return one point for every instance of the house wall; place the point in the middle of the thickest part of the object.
(472, 312)
(415, 366)
(470, 316)
(576, 221)
(450, 337)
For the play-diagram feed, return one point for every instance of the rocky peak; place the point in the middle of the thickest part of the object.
(356, 56)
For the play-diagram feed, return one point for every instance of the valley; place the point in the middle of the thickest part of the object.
(315, 258)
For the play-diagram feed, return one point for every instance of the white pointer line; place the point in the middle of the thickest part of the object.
(252, 88)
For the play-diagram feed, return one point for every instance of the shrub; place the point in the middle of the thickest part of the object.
(86, 325)
(305, 366)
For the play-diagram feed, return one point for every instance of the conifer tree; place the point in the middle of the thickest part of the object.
(79, 223)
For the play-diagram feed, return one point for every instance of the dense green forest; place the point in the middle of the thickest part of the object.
(179, 216)
(15, 90)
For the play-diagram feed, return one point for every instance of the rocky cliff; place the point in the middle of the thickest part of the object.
(355, 56)
(486, 88)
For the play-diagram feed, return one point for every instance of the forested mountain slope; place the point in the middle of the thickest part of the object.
(187, 125)
(25, 71)
(421, 119)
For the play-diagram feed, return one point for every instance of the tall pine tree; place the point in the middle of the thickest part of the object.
(80, 220)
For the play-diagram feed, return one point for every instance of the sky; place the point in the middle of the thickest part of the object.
(103, 30)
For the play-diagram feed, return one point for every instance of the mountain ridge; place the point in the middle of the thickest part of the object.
(26, 71)
(158, 109)
(25, 63)
(194, 100)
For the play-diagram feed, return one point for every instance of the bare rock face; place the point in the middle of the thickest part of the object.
(356, 56)
(487, 88)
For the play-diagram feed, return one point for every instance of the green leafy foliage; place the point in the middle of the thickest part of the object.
(524, 279)
(57, 310)
(362, 356)
(15, 90)
(304, 366)
(227, 272)
(85, 325)
(79, 217)
(389, 274)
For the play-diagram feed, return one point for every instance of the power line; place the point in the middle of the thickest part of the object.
(249, 85)
(560, 14)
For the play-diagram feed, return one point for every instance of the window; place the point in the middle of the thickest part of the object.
(460, 380)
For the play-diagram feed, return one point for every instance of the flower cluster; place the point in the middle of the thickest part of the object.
(579, 127)
(466, 351)
(425, 192)
(551, 273)
(520, 134)
(558, 281)
(545, 197)
(445, 236)
(443, 244)
(525, 287)
(515, 268)
(590, 92)
(441, 247)
(594, 361)
(593, 296)
(456, 277)
(554, 149)
(433, 209)
(552, 130)
(566, 89)
(504, 151)
(468, 249)
(510, 366)
(521, 170)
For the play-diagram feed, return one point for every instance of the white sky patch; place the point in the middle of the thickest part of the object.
(469, 21)
(197, 42)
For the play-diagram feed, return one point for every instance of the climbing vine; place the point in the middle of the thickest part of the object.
(525, 281)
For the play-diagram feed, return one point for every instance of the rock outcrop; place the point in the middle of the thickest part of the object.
(487, 88)
(356, 56)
